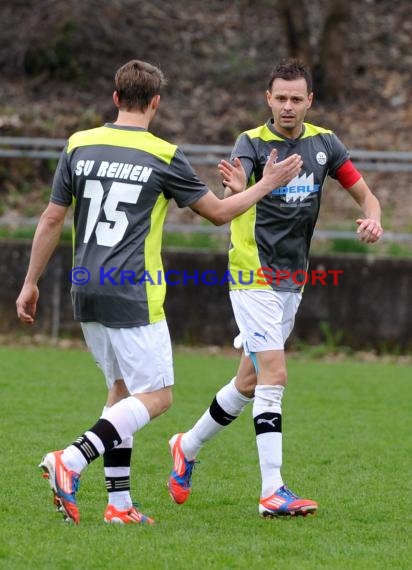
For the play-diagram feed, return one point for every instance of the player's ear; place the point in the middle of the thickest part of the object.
(310, 98)
(116, 99)
(155, 102)
(268, 97)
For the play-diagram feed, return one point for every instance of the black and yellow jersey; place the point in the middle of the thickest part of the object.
(273, 237)
(120, 181)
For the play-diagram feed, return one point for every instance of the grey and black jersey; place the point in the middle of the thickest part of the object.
(273, 237)
(120, 181)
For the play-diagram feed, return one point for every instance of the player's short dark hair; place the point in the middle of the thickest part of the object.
(290, 69)
(136, 83)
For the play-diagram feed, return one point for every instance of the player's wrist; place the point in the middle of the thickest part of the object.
(265, 185)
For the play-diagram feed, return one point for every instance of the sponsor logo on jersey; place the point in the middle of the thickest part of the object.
(298, 189)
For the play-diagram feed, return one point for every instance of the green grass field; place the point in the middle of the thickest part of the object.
(347, 444)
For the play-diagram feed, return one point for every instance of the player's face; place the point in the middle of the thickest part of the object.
(289, 101)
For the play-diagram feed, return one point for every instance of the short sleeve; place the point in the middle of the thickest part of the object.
(62, 193)
(338, 154)
(182, 183)
(246, 152)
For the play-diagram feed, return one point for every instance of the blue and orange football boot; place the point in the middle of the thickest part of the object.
(64, 484)
(285, 503)
(179, 483)
(128, 516)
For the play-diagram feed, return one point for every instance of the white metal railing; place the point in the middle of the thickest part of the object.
(369, 160)
(44, 148)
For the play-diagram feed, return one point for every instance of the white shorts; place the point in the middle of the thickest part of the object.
(141, 356)
(265, 318)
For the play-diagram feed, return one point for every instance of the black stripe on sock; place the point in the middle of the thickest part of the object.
(118, 457)
(86, 447)
(219, 414)
(268, 422)
(115, 484)
(107, 433)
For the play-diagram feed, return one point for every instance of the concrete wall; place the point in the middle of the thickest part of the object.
(369, 306)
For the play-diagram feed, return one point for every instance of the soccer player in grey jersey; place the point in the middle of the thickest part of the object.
(270, 244)
(120, 178)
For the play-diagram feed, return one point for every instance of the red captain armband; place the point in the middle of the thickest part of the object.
(347, 174)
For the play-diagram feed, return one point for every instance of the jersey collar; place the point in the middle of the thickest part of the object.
(124, 128)
(272, 129)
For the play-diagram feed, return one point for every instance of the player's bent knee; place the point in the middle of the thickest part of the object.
(166, 402)
(246, 385)
(273, 377)
(157, 402)
(281, 377)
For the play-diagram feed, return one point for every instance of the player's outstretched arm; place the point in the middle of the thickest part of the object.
(275, 174)
(369, 228)
(45, 240)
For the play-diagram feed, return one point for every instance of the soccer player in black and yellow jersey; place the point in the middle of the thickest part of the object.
(267, 258)
(119, 179)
